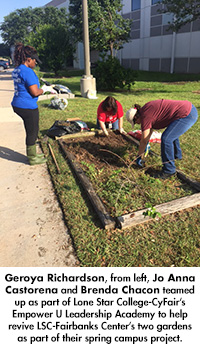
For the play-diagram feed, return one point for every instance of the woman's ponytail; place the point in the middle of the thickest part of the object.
(22, 52)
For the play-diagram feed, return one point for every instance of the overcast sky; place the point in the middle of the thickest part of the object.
(12, 5)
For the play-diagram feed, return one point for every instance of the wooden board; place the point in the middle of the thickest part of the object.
(194, 184)
(52, 95)
(136, 142)
(76, 135)
(107, 221)
(137, 217)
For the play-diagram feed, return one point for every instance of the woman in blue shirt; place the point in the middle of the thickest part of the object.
(26, 92)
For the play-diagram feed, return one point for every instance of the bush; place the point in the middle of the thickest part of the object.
(54, 47)
(110, 74)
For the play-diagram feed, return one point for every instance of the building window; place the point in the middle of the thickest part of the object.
(167, 18)
(135, 5)
(155, 1)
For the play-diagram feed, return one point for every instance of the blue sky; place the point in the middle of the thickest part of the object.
(12, 5)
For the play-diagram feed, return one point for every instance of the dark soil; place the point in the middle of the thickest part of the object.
(101, 150)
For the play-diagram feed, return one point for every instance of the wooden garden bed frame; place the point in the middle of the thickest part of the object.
(107, 221)
(137, 217)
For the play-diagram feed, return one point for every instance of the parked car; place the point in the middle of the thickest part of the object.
(4, 64)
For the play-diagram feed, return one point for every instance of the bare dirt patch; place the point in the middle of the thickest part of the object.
(102, 150)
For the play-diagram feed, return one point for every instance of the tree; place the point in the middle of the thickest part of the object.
(184, 12)
(18, 24)
(108, 30)
(53, 46)
(4, 50)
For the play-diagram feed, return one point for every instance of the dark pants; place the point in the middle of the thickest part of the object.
(31, 123)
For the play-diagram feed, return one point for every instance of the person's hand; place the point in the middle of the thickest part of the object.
(48, 89)
(122, 131)
(105, 132)
(140, 162)
(147, 149)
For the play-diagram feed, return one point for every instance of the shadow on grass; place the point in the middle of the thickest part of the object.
(166, 77)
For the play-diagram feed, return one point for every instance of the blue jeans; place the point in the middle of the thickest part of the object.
(170, 146)
(115, 125)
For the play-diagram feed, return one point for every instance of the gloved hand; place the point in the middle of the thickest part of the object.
(140, 162)
(122, 131)
(105, 132)
(49, 89)
(147, 149)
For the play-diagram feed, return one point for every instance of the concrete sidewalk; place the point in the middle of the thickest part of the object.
(32, 231)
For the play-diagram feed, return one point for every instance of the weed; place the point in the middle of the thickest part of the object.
(151, 211)
(92, 172)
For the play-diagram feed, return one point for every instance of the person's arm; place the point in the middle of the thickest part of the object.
(103, 127)
(35, 91)
(122, 131)
(146, 134)
(120, 123)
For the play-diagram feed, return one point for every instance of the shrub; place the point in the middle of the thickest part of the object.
(110, 74)
(53, 45)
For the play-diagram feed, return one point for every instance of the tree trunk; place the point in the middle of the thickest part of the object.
(111, 49)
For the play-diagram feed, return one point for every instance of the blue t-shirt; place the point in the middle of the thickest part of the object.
(24, 77)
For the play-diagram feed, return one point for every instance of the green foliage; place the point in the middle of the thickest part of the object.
(110, 74)
(151, 211)
(184, 12)
(21, 22)
(4, 50)
(53, 46)
(92, 172)
(108, 30)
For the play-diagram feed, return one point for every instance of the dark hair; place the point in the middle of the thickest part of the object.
(22, 52)
(110, 102)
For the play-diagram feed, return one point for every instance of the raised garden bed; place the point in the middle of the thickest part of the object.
(118, 190)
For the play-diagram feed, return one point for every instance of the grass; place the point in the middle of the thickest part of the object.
(170, 241)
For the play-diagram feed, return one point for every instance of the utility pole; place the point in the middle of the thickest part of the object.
(88, 82)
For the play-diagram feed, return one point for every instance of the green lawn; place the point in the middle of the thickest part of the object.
(170, 241)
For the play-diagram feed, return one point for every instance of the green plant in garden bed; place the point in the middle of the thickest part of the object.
(169, 241)
(151, 211)
(93, 172)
